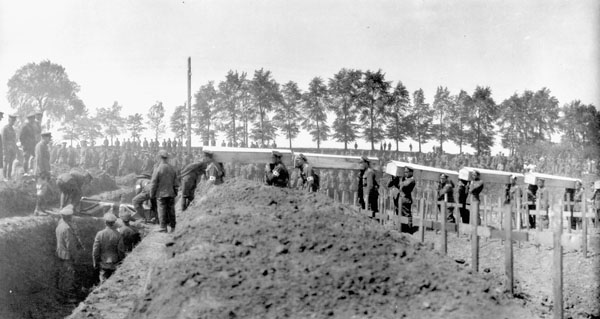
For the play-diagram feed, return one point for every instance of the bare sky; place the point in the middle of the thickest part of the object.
(135, 52)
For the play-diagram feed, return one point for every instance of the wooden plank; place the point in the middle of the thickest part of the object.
(584, 223)
(557, 267)
(508, 250)
(474, 237)
(551, 180)
(444, 233)
(326, 161)
(248, 155)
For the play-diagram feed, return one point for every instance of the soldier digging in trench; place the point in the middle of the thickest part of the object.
(67, 246)
(70, 186)
(108, 249)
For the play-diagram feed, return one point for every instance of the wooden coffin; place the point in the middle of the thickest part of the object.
(326, 161)
(248, 155)
(551, 180)
(420, 172)
(487, 175)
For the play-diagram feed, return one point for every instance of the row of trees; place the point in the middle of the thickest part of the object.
(350, 105)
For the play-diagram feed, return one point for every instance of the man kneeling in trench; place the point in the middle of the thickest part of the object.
(108, 249)
(67, 246)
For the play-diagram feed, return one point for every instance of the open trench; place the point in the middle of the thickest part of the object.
(29, 268)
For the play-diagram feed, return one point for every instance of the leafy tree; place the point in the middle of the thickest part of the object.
(179, 122)
(579, 124)
(247, 111)
(206, 112)
(481, 125)
(88, 128)
(421, 119)
(513, 123)
(265, 94)
(458, 118)
(230, 95)
(442, 106)
(110, 119)
(344, 90)
(316, 102)
(287, 114)
(46, 88)
(544, 109)
(374, 99)
(155, 120)
(398, 127)
(135, 125)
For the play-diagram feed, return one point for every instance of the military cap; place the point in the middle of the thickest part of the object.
(408, 169)
(276, 154)
(364, 159)
(207, 152)
(125, 215)
(47, 134)
(163, 154)
(110, 217)
(444, 175)
(30, 115)
(67, 210)
(12, 116)
(302, 157)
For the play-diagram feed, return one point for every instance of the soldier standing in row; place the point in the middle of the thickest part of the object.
(28, 143)
(9, 144)
(276, 174)
(42, 172)
(164, 189)
(370, 187)
(310, 179)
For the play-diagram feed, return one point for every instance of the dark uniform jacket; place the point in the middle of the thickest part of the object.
(42, 159)
(27, 138)
(277, 175)
(164, 182)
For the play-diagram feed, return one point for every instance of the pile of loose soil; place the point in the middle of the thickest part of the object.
(253, 251)
(127, 180)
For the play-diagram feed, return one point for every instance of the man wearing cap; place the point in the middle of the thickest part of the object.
(164, 187)
(67, 246)
(446, 193)
(276, 174)
(9, 145)
(370, 187)
(130, 235)
(310, 179)
(28, 141)
(142, 189)
(70, 186)
(190, 175)
(215, 172)
(86, 160)
(108, 249)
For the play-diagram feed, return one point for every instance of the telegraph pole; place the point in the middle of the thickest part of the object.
(189, 107)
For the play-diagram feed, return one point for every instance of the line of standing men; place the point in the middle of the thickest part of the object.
(29, 136)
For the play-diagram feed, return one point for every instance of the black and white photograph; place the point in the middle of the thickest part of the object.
(299, 159)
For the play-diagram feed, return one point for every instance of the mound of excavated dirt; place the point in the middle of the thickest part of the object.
(127, 180)
(251, 251)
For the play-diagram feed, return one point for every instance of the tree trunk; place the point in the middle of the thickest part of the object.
(318, 136)
(371, 132)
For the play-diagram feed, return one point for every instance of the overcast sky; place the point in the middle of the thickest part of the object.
(135, 52)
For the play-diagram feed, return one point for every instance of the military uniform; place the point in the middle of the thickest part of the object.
(143, 188)
(42, 159)
(27, 139)
(70, 186)
(108, 249)
(446, 192)
(164, 188)
(9, 145)
(370, 188)
(67, 244)
(310, 179)
(215, 173)
(190, 175)
(276, 174)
